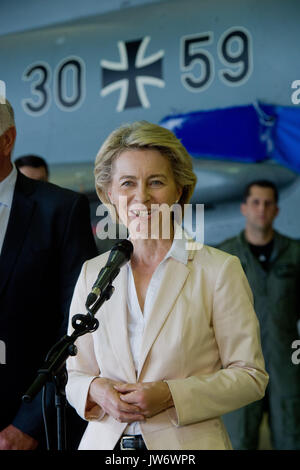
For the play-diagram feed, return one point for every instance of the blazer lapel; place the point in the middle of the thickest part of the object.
(117, 326)
(20, 215)
(174, 279)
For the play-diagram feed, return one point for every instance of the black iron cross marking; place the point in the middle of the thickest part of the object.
(132, 73)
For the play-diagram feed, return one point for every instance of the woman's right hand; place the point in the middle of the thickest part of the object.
(102, 393)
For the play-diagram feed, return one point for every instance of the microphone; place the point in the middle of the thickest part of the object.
(119, 255)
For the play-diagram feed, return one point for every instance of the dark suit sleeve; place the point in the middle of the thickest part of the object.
(78, 245)
(75, 245)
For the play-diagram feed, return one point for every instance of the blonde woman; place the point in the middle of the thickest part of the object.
(178, 342)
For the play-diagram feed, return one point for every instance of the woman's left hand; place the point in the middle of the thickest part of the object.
(150, 397)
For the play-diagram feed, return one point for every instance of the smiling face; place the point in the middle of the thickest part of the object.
(260, 208)
(142, 181)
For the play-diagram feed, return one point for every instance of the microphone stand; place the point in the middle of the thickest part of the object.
(54, 369)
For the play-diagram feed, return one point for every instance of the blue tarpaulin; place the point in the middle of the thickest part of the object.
(285, 135)
(250, 133)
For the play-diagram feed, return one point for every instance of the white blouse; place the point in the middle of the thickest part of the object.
(136, 319)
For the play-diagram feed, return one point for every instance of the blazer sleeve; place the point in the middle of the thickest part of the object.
(82, 368)
(242, 378)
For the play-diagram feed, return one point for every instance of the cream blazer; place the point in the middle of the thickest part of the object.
(202, 337)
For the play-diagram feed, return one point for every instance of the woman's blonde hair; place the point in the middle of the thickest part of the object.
(144, 135)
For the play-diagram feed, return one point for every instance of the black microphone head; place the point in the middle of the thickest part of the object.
(118, 257)
(120, 253)
(125, 246)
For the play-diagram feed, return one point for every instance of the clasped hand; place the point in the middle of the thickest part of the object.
(130, 402)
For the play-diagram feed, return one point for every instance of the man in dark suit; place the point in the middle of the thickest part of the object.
(45, 236)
